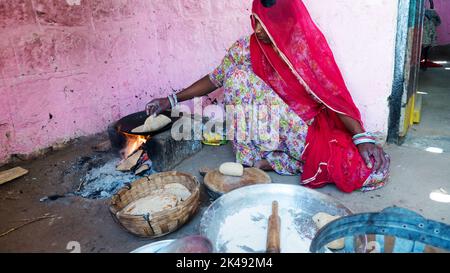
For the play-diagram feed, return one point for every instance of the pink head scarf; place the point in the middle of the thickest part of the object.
(301, 69)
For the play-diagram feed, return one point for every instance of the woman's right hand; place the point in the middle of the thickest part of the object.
(157, 106)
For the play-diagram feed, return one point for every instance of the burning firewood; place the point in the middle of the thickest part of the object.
(143, 159)
(136, 159)
(142, 169)
(144, 164)
(130, 163)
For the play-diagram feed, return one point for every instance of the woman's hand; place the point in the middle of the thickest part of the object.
(373, 152)
(157, 106)
(373, 155)
(202, 87)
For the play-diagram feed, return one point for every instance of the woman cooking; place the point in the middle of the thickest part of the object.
(288, 63)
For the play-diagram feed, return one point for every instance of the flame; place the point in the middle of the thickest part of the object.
(134, 142)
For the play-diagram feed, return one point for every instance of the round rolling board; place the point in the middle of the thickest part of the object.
(218, 184)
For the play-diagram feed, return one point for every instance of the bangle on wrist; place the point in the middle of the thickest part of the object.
(172, 103)
(364, 135)
(175, 98)
(364, 141)
(363, 138)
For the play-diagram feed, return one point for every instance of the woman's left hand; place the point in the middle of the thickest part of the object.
(371, 151)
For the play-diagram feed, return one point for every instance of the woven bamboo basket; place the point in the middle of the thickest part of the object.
(160, 223)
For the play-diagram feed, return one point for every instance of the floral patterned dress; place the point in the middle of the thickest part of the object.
(245, 91)
(283, 144)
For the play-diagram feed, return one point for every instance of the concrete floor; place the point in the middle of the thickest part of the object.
(415, 174)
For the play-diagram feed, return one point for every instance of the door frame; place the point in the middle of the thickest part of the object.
(406, 69)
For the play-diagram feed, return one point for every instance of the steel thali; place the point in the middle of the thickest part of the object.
(237, 221)
(153, 247)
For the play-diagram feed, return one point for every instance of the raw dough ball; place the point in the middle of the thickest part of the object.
(232, 169)
(151, 204)
(153, 124)
(337, 245)
(321, 219)
(178, 190)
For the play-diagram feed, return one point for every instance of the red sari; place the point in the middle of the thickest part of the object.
(301, 69)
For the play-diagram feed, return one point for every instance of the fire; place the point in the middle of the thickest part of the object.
(134, 142)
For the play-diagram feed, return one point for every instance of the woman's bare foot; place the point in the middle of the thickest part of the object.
(263, 165)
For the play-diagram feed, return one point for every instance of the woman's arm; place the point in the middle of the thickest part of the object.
(200, 88)
(367, 150)
(205, 85)
(353, 126)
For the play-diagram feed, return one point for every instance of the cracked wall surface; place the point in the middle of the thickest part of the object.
(70, 67)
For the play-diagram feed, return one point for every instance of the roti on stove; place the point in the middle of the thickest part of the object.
(152, 124)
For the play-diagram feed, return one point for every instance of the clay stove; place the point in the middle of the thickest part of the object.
(162, 150)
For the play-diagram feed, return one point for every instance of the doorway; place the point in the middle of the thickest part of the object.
(420, 102)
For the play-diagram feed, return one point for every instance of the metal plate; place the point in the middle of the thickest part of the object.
(153, 247)
(300, 202)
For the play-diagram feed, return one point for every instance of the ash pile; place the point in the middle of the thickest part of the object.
(105, 180)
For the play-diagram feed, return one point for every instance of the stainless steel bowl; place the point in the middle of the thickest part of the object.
(301, 202)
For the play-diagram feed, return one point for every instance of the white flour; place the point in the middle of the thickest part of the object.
(246, 231)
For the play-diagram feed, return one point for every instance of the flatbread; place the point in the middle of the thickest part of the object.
(151, 204)
(152, 124)
(178, 190)
(322, 219)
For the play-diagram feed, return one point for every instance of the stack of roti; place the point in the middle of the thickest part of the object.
(164, 199)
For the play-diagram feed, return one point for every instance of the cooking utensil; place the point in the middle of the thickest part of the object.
(153, 247)
(296, 203)
(218, 184)
(128, 123)
(160, 223)
(273, 231)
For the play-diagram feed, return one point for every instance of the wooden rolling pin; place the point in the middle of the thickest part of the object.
(273, 231)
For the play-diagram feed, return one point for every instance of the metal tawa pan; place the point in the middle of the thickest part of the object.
(237, 221)
(128, 123)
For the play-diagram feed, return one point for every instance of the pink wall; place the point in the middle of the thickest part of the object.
(443, 8)
(362, 35)
(70, 67)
